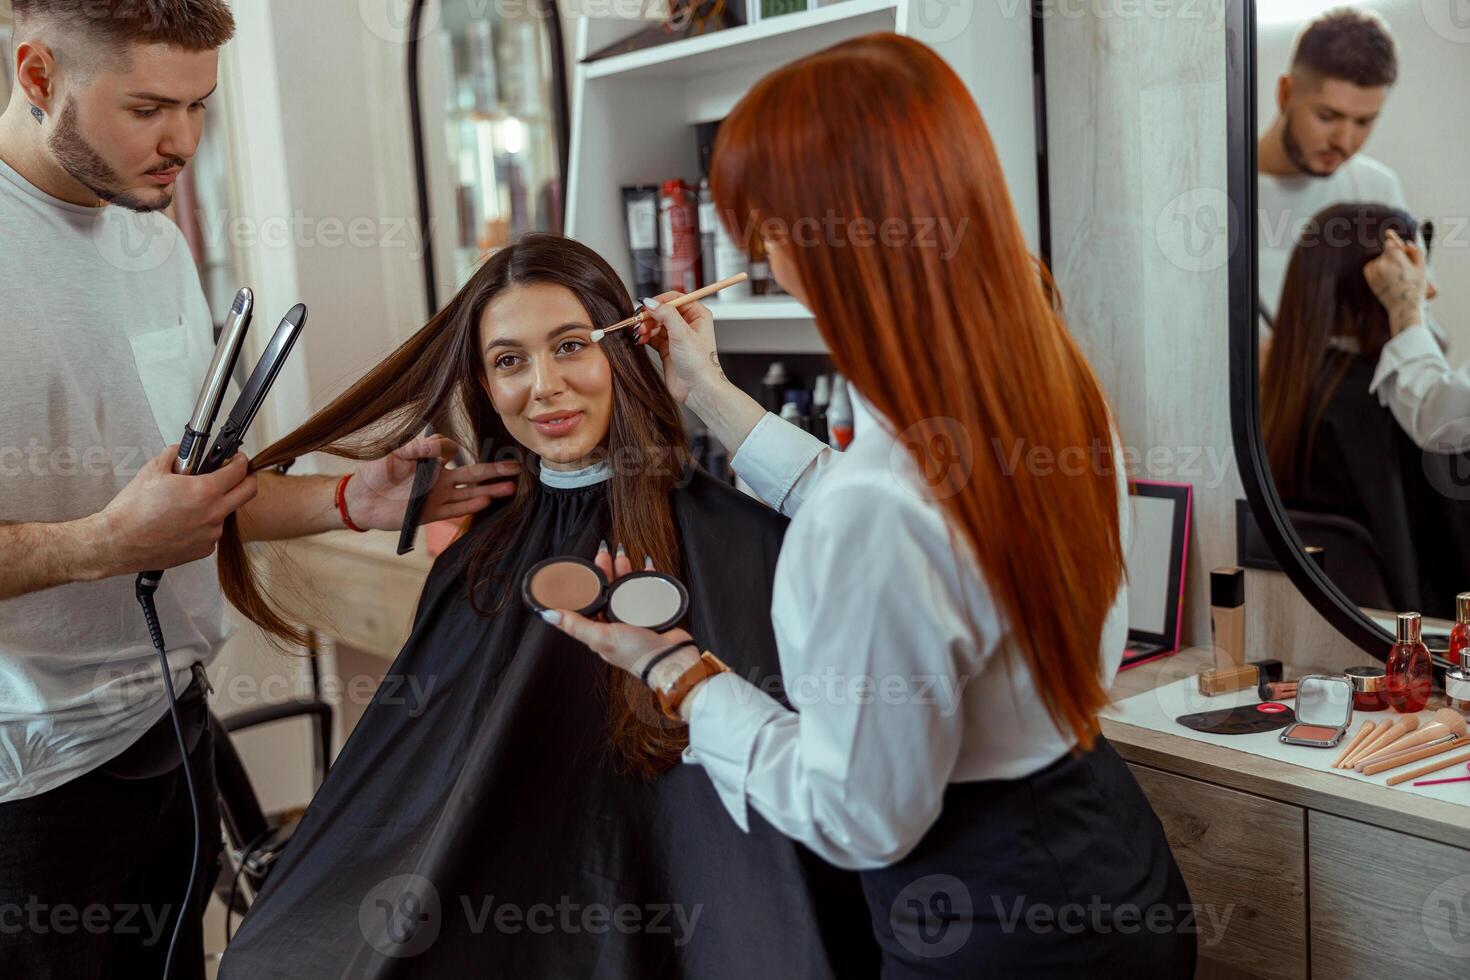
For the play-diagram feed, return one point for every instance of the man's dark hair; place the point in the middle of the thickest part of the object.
(99, 32)
(1353, 45)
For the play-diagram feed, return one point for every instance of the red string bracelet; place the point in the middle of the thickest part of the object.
(342, 505)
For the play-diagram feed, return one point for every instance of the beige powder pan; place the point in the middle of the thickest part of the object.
(565, 583)
(651, 600)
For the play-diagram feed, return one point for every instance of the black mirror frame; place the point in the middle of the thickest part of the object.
(1245, 415)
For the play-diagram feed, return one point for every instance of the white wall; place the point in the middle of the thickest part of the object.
(1422, 133)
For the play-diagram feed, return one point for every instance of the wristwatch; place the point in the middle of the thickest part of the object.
(672, 694)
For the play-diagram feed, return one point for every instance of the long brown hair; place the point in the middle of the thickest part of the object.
(437, 376)
(1325, 300)
(967, 345)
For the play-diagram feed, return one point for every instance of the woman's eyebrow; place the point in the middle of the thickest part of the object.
(556, 332)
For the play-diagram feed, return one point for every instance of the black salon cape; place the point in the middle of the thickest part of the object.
(482, 830)
(1414, 505)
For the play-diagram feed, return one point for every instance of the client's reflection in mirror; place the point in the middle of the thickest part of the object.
(525, 814)
(1396, 534)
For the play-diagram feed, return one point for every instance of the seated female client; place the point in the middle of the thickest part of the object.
(1391, 516)
(525, 816)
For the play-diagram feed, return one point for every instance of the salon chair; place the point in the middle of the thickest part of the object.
(255, 838)
(1353, 561)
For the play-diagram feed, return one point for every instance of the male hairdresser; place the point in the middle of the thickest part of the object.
(104, 340)
(1310, 158)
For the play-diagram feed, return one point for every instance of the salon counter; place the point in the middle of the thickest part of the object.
(352, 587)
(1319, 875)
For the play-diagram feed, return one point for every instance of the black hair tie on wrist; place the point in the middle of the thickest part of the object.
(662, 655)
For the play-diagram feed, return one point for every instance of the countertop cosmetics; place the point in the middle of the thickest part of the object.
(1214, 682)
(1388, 733)
(1369, 688)
(1227, 615)
(648, 599)
(1276, 690)
(1460, 634)
(1363, 733)
(1400, 759)
(1435, 766)
(1248, 719)
(1457, 687)
(1324, 707)
(1409, 667)
(1362, 743)
(1445, 723)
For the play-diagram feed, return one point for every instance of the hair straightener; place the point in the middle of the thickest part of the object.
(192, 460)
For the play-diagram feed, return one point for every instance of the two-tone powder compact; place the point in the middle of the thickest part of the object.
(651, 600)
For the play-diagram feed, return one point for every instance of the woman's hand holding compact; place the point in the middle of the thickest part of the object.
(626, 647)
(377, 497)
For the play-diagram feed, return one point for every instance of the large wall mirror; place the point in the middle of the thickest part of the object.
(1350, 301)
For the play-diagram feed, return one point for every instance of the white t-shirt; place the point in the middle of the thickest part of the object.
(106, 338)
(1285, 204)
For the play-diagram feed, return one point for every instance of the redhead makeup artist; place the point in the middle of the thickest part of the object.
(955, 635)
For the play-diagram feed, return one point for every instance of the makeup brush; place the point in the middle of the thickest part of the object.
(1377, 729)
(1357, 740)
(1398, 759)
(1384, 738)
(1447, 721)
(1434, 766)
(676, 302)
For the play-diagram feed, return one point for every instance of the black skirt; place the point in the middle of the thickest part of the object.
(1065, 873)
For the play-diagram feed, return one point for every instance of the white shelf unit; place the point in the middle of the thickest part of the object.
(633, 118)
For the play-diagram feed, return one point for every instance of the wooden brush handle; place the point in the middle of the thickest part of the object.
(1436, 766)
(1412, 755)
(1426, 733)
(1347, 749)
(1387, 731)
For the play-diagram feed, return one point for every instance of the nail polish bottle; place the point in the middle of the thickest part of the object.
(1460, 634)
(1409, 669)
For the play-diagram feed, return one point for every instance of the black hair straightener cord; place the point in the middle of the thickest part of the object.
(192, 460)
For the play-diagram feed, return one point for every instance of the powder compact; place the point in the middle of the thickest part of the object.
(651, 600)
(1324, 708)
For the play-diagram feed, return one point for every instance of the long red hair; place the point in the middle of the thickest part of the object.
(954, 337)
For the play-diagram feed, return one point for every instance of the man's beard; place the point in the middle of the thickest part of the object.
(1294, 151)
(86, 166)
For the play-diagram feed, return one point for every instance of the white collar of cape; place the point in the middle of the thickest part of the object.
(587, 476)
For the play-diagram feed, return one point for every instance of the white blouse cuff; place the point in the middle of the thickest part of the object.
(725, 717)
(1411, 344)
(774, 456)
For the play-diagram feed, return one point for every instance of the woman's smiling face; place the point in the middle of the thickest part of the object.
(549, 383)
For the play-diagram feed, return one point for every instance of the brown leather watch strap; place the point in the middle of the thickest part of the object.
(669, 698)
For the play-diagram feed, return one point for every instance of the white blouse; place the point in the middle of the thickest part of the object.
(903, 673)
(1429, 398)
